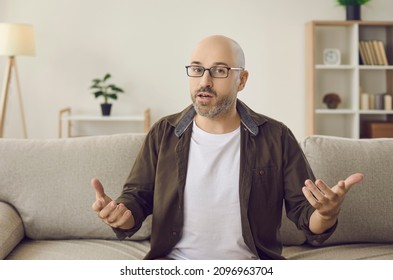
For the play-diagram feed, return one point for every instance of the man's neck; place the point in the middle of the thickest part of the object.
(221, 124)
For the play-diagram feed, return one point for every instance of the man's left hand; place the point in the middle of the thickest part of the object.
(327, 201)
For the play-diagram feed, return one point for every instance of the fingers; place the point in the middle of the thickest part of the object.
(319, 189)
(317, 193)
(125, 219)
(97, 205)
(108, 210)
(117, 216)
(99, 189)
(111, 213)
(326, 199)
(353, 179)
(342, 187)
(309, 196)
(102, 200)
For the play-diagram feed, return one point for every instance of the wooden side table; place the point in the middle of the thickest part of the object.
(66, 116)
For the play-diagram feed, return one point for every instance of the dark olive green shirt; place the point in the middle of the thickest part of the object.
(273, 169)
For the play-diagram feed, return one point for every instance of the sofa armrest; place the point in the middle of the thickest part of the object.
(11, 229)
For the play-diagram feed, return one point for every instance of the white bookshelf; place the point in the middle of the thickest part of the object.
(348, 79)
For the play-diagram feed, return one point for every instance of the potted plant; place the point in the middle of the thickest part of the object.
(102, 88)
(331, 100)
(352, 8)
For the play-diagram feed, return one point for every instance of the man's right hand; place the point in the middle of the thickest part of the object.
(111, 213)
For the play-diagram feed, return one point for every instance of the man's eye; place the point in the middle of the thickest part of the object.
(197, 70)
(219, 70)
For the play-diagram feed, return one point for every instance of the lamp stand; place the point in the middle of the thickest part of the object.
(5, 93)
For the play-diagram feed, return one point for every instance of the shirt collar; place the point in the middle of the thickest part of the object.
(249, 118)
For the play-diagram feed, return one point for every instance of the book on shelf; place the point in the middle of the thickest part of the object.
(372, 52)
(377, 51)
(374, 60)
(383, 52)
(369, 54)
(363, 53)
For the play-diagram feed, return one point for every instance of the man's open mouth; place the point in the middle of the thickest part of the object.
(205, 95)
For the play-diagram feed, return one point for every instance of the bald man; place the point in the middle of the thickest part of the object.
(215, 176)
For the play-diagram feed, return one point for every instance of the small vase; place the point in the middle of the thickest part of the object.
(106, 109)
(353, 12)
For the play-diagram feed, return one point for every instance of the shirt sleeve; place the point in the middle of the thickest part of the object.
(138, 191)
(296, 171)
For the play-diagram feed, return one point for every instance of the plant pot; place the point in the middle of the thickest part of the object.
(106, 109)
(353, 12)
(332, 105)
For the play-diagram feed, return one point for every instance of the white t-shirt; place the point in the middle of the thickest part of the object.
(212, 225)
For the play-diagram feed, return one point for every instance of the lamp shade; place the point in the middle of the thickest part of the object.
(16, 39)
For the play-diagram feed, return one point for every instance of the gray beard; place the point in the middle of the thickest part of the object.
(221, 108)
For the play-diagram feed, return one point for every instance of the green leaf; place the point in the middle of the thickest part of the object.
(107, 76)
(113, 96)
(98, 93)
(115, 88)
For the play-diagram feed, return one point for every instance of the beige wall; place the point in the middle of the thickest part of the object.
(81, 40)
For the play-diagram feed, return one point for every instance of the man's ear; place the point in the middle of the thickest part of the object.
(243, 80)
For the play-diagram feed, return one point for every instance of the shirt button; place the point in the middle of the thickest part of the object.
(261, 172)
(174, 233)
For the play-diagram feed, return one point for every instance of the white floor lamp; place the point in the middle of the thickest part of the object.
(15, 39)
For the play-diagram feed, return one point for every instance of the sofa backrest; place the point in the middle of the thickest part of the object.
(48, 182)
(367, 211)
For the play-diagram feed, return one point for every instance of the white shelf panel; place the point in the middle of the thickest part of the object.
(103, 118)
(335, 111)
(351, 111)
(376, 112)
(335, 67)
(375, 67)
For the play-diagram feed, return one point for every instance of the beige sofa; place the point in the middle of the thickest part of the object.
(46, 197)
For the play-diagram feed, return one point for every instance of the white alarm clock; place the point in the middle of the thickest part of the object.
(331, 56)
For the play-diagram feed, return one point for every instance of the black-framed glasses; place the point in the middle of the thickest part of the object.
(215, 71)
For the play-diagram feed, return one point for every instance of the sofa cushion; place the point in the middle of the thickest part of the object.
(360, 251)
(366, 214)
(11, 229)
(48, 182)
(92, 249)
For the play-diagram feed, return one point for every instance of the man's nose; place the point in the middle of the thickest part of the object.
(206, 79)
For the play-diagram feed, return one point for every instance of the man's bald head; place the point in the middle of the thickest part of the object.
(220, 49)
